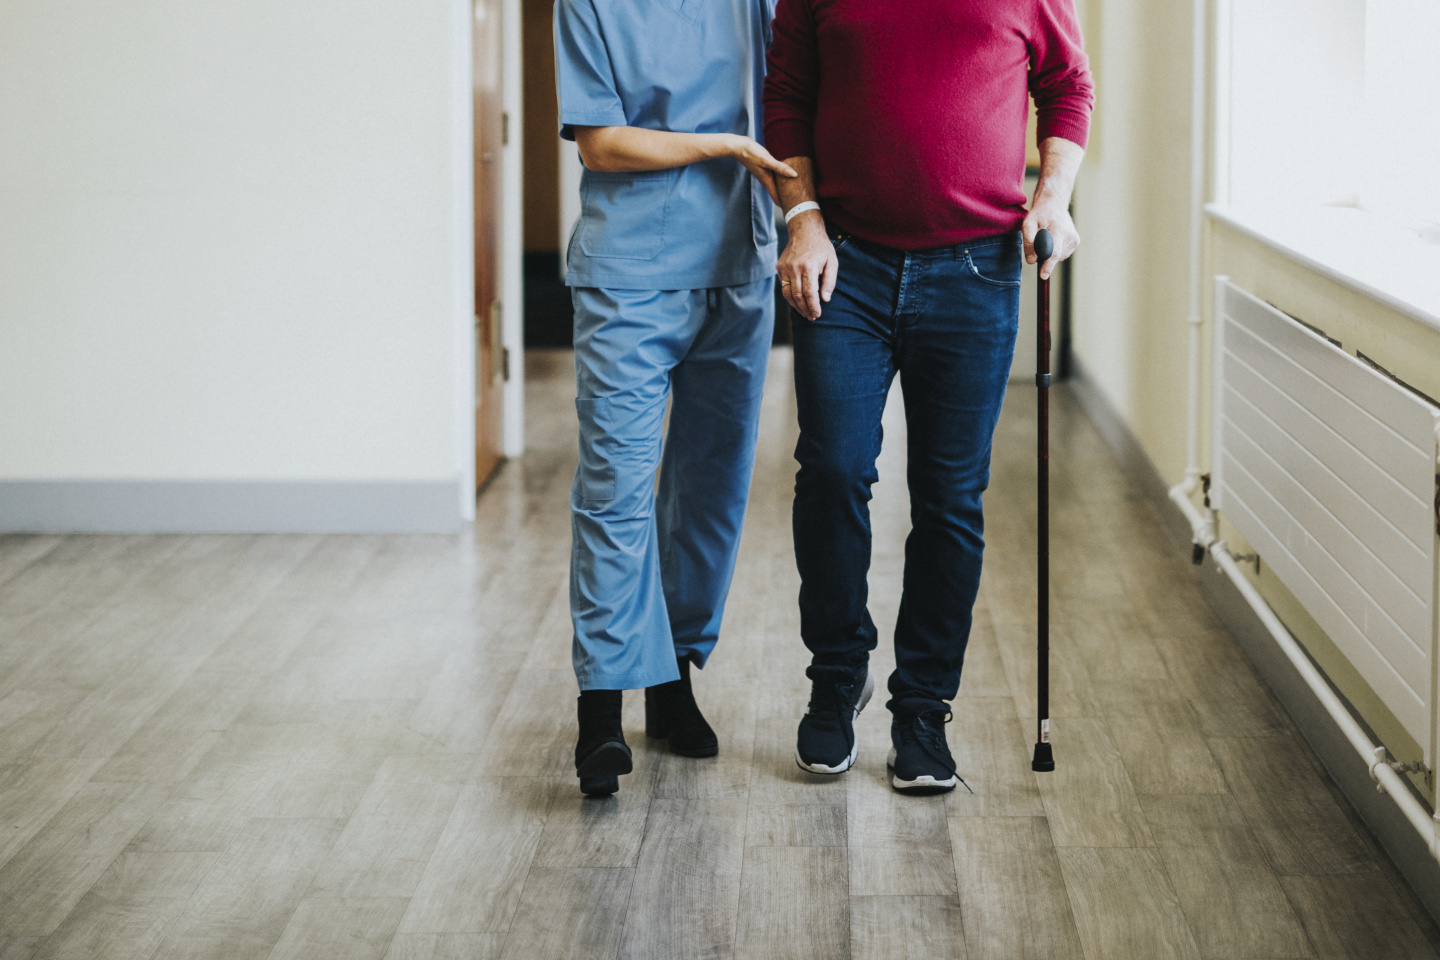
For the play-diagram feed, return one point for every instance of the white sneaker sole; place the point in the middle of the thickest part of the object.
(865, 695)
(925, 784)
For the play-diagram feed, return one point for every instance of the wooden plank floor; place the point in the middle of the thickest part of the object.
(360, 747)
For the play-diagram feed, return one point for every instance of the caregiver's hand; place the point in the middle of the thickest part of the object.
(761, 164)
(636, 149)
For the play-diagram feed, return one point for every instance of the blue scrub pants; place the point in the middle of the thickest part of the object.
(649, 570)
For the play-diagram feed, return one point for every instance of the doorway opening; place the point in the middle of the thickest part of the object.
(496, 150)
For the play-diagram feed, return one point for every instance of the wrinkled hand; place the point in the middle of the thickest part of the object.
(809, 265)
(761, 164)
(1055, 217)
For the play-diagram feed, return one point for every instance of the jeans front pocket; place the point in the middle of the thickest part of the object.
(622, 215)
(996, 263)
(595, 479)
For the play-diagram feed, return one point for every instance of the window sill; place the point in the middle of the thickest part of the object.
(1353, 247)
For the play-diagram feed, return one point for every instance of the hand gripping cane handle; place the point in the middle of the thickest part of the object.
(1044, 247)
(1044, 759)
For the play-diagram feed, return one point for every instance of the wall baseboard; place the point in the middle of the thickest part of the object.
(1345, 767)
(205, 506)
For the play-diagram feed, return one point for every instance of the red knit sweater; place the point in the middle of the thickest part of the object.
(914, 110)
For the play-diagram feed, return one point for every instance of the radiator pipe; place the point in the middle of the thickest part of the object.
(1203, 525)
(1387, 778)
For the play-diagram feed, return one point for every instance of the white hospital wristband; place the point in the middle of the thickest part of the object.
(800, 208)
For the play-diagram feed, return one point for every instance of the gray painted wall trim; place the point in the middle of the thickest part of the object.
(206, 506)
(1345, 767)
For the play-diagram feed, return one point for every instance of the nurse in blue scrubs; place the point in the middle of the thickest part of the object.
(672, 268)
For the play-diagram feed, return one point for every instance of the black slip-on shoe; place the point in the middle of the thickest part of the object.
(825, 742)
(601, 754)
(671, 714)
(920, 760)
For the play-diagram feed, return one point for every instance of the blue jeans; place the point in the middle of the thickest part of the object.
(650, 569)
(945, 319)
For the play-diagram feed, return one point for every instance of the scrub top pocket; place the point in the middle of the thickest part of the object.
(623, 214)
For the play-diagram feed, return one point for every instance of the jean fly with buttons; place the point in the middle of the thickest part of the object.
(944, 319)
(649, 571)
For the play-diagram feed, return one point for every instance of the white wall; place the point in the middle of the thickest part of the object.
(227, 241)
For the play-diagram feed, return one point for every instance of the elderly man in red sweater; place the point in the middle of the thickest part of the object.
(906, 122)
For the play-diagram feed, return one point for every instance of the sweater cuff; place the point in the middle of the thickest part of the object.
(1066, 124)
(790, 138)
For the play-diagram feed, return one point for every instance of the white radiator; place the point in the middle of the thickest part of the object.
(1328, 469)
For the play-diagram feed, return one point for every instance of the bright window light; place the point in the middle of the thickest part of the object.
(1401, 174)
(1333, 103)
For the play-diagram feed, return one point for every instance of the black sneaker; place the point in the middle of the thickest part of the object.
(920, 760)
(601, 754)
(671, 714)
(826, 741)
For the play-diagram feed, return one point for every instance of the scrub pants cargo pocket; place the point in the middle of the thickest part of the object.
(595, 480)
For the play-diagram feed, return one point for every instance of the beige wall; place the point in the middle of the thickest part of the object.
(1132, 279)
(1132, 203)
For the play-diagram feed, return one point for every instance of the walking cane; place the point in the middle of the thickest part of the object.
(1044, 246)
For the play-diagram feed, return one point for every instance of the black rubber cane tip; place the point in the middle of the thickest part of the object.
(1197, 554)
(1044, 760)
(1044, 246)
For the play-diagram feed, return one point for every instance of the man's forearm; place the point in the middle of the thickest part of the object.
(1059, 164)
(807, 266)
(635, 149)
(1050, 207)
(800, 188)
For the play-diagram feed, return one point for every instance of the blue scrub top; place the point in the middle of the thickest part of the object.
(688, 66)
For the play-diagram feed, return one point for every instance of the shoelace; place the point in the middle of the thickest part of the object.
(930, 734)
(830, 697)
